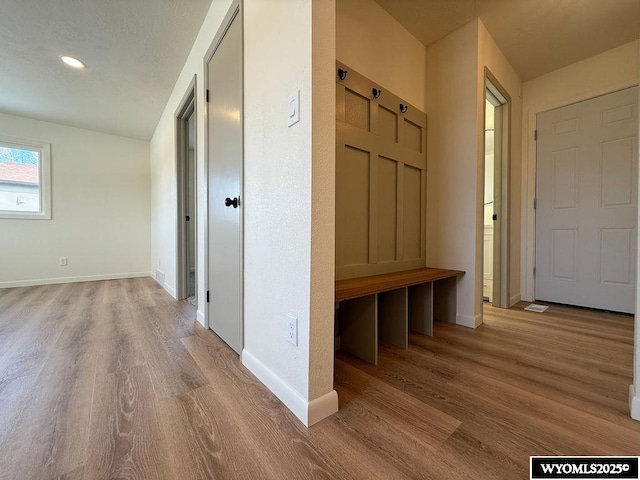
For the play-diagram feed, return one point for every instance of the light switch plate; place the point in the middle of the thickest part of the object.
(293, 108)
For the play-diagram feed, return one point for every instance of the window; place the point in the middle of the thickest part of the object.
(25, 179)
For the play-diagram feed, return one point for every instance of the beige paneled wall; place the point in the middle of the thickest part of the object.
(380, 180)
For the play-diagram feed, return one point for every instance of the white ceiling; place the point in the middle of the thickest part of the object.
(536, 36)
(134, 51)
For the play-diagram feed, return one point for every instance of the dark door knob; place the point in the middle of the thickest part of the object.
(228, 202)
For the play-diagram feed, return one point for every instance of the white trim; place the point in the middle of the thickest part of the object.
(468, 320)
(44, 178)
(171, 291)
(187, 108)
(634, 403)
(513, 300)
(86, 278)
(307, 412)
(200, 318)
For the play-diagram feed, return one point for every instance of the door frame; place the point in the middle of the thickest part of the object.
(235, 10)
(529, 178)
(502, 189)
(186, 108)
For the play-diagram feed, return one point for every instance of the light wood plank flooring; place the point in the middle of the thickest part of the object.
(115, 379)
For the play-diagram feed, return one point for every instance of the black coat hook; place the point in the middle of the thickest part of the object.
(376, 92)
(342, 74)
(404, 108)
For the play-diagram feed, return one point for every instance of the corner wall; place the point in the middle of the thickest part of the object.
(289, 194)
(289, 201)
(455, 160)
(100, 209)
(452, 162)
(491, 56)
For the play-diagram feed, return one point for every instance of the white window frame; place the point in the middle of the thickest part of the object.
(44, 178)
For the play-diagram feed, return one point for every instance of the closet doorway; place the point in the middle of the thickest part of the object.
(495, 271)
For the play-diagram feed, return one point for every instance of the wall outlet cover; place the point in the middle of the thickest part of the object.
(292, 330)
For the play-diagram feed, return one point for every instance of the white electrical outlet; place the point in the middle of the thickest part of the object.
(292, 329)
(63, 261)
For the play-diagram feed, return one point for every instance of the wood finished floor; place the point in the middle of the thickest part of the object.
(115, 379)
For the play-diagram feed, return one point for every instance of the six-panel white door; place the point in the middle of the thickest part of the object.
(586, 192)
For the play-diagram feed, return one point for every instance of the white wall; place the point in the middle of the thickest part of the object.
(609, 71)
(289, 198)
(453, 165)
(371, 41)
(288, 194)
(100, 209)
(490, 56)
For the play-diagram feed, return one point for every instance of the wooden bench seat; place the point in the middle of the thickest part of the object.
(362, 286)
(385, 307)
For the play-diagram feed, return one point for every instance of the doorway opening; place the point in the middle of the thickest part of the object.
(186, 195)
(495, 270)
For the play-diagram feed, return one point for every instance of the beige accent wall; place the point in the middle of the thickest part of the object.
(380, 180)
(604, 73)
(375, 44)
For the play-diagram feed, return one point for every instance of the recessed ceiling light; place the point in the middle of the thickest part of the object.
(73, 62)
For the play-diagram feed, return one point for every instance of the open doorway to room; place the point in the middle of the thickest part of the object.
(186, 195)
(495, 271)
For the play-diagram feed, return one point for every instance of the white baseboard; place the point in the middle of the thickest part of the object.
(468, 320)
(172, 291)
(513, 300)
(200, 318)
(85, 278)
(307, 412)
(634, 403)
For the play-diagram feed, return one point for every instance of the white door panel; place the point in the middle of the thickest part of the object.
(586, 202)
(225, 153)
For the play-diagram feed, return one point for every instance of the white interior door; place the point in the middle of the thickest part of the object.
(225, 160)
(587, 156)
